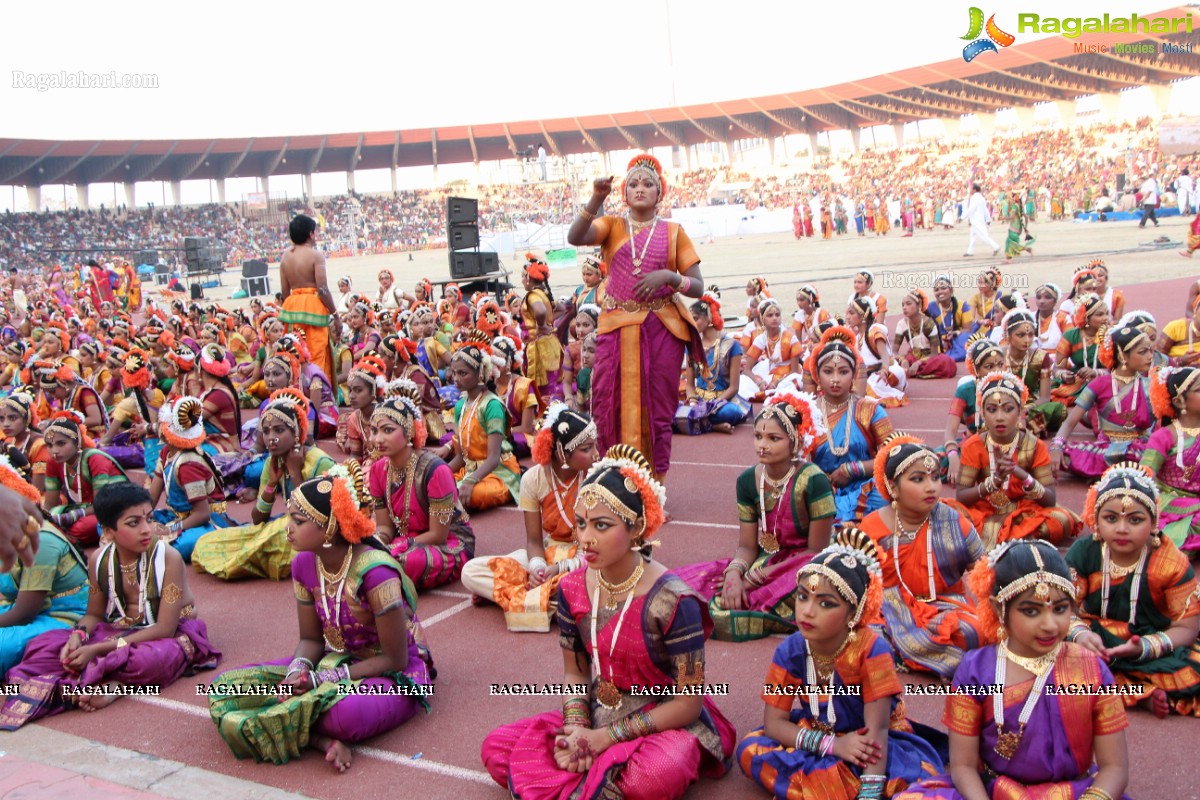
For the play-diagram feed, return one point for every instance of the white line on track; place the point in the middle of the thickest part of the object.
(722, 525)
(449, 612)
(447, 593)
(449, 770)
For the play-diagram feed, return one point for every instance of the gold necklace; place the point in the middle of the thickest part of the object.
(776, 485)
(838, 452)
(615, 590)
(1039, 666)
(129, 569)
(338, 576)
(1114, 569)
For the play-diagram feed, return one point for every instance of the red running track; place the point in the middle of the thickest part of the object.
(438, 755)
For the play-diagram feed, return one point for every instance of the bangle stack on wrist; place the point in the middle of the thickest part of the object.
(577, 711)
(585, 214)
(814, 741)
(537, 563)
(738, 565)
(1155, 646)
(632, 727)
(297, 666)
(82, 631)
(1058, 443)
(872, 787)
(1095, 793)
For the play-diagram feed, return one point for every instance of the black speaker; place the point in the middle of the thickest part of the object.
(254, 268)
(197, 291)
(473, 265)
(146, 257)
(461, 209)
(192, 243)
(463, 236)
(1120, 181)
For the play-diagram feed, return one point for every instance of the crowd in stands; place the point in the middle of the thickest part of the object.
(1066, 169)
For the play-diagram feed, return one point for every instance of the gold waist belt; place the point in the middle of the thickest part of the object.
(219, 507)
(1123, 436)
(634, 306)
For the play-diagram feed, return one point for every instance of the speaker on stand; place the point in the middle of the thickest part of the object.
(462, 237)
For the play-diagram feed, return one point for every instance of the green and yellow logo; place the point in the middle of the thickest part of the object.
(994, 37)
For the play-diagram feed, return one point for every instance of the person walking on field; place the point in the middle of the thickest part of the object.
(978, 216)
(1149, 192)
(307, 302)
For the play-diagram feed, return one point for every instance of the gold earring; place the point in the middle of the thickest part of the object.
(1002, 632)
(1095, 536)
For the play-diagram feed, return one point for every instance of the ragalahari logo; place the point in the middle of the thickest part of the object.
(994, 37)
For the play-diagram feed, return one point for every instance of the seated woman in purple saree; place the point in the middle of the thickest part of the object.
(358, 630)
(1028, 743)
(648, 630)
(140, 628)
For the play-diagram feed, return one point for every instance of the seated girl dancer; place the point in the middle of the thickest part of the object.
(1145, 321)
(983, 356)
(647, 628)
(878, 375)
(1173, 453)
(1119, 403)
(785, 509)
(1083, 281)
(315, 385)
(775, 352)
(808, 316)
(132, 436)
(479, 454)
(954, 319)
(863, 281)
(79, 470)
(361, 666)
(525, 583)
(62, 389)
(591, 291)
(222, 413)
(855, 426)
(195, 492)
(366, 389)
(1032, 366)
(753, 324)
(1005, 480)
(1077, 361)
(586, 320)
(1113, 298)
(927, 547)
(979, 306)
(1051, 322)
(417, 513)
(1180, 339)
(49, 594)
(718, 385)
(518, 394)
(364, 338)
(182, 360)
(1025, 742)
(260, 549)
(152, 640)
(840, 744)
(917, 331)
(95, 371)
(1005, 302)
(1139, 606)
(403, 364)
(16, 421)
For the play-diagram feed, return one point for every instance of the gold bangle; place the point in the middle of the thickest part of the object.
(587, 215)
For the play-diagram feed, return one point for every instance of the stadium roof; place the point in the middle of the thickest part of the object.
(1020, 75)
